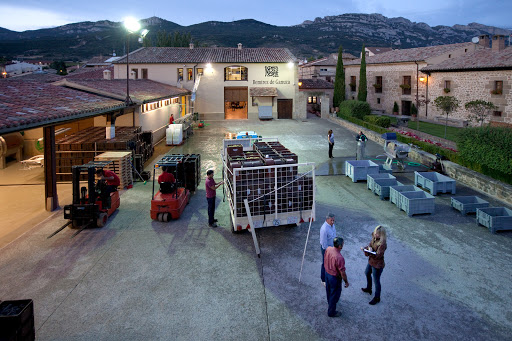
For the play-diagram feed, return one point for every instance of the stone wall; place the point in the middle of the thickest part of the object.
(475, 180)
(469, 86)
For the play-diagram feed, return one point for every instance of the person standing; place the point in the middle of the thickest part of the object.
(361, 145)
(330, 139)
(334, 275)
(375, 266)
(211, 195)
(327, 235)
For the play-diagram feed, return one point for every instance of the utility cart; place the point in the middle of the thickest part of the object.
(264, 178)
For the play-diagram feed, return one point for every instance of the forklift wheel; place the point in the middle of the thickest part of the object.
(102, 220)
(160, 216)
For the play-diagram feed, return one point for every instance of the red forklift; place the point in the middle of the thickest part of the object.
(92, 204)
(170, 200)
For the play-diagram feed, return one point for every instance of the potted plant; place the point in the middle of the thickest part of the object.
(377, 86)
(405, 86)
(496, 92)
(414, 111)
(446, 90)
(395, 109)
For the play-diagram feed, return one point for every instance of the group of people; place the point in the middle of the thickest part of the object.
(333, 272)
(361, 144)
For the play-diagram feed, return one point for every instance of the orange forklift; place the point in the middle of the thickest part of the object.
(92, 205)
(170, 200)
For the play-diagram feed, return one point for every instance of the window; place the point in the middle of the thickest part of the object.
(180, 74)
(449, 56)
(378, 100)
(144, 73)
(312, 100)
(323, 69)
(496, 113)
(378, 85)
(135, 73)
(190, 74)
(447, 84)
(235, 73)
(199, 71)
(465, 50)
(352, 83)
(498, 88)
(406, 85)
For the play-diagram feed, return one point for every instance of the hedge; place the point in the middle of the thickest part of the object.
(487, 148)
(362, 123)
(381, 121)
(354, 108)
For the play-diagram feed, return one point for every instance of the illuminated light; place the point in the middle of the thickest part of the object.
(131, 24)
(290, 65)
(300, 83)
(422, 79)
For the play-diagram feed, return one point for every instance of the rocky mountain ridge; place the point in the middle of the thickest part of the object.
(311, 38)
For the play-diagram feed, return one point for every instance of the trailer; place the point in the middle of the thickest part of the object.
(265, 184)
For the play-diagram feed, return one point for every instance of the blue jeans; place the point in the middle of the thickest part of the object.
(333, 291)
(322, 271)
(211, 210)
(376, 278)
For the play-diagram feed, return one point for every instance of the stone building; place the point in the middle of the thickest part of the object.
(484, 74)
(317, 94)
(324, 68)
(395, 76)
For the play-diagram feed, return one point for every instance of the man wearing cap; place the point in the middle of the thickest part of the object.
(327, 235)
(334, 274)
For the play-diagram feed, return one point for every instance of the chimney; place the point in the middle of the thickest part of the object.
(107, 74)
(191, 46)
(483, 40)
(239, 46)
(498, 43)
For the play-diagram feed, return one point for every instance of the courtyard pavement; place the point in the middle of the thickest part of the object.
(446, 278)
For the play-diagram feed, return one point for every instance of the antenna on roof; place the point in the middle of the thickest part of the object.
(475, 40)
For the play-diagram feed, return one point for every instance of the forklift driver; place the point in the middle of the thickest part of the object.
(112, 181)
(166, 181)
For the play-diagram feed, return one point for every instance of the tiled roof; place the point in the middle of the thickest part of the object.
(149, 55)
(377, 50)
(409, 55)
(28, 104)
(263, 92)
(332, 60)
(90, 73)
(141, 90)
(99, 60)
(477, 60)
(315, 84)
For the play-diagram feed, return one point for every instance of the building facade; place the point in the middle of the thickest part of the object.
(324, 68)
(226, 83)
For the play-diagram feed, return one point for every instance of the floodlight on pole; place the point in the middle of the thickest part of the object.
(132, 25)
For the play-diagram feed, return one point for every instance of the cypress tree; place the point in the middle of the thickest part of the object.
(339, 81)
(362, 91)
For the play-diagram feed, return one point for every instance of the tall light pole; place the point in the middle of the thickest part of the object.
(132, 25)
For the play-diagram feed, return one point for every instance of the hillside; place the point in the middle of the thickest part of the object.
(321, 36)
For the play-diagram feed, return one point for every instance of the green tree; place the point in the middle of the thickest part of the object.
(339, 81)
(395, 108)
(60, 66)
(479, 109)
(447, 104)
(362, 92)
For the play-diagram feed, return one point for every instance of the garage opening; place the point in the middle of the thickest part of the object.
(235, 103)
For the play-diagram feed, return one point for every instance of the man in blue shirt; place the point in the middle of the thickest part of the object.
(327, 235)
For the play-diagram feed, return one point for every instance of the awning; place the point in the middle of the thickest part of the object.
(263, 92)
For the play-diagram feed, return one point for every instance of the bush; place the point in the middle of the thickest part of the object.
(381, 121)
(489, 147)
(358, 109)
(395, 107)
(362, 123)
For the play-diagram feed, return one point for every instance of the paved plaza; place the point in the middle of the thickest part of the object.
(136, 279)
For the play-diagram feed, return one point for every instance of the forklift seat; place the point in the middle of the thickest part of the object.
(167, 187)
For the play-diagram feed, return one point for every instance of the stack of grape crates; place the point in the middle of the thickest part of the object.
(268, 177)
(120, 165)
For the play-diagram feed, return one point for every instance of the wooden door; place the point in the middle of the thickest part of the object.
(284, 108)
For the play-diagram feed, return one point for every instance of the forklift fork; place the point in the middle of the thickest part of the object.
(60, 229)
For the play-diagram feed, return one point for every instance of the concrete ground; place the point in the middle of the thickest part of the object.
(138, 279)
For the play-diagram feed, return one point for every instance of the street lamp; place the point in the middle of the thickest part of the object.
(132, 25)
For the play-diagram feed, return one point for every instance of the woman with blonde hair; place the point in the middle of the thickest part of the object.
(375, 253)
(330, 139)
